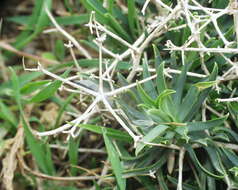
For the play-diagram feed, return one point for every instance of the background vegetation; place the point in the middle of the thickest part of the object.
(116, 94)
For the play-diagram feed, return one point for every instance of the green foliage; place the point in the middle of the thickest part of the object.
(115, 161)
(170, 118)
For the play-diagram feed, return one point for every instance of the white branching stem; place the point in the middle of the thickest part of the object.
(228, 100)
(67, 35)
(67, 126)
(83, 150)
(205, 50)
(196, 24)
(174, 71)
(180, 177)
(136, 64)
(162, 25)
(145, 6)
(108, 106)
(100, 27)
(75, 85)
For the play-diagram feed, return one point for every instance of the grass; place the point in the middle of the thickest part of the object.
(119, 95)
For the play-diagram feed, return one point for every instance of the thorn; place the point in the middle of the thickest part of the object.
(137, 139)
(69, 44)
(152, 174)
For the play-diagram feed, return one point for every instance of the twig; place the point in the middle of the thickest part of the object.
(67, 35)
(24, 54)
(174, 71)
(56, 178)
(206, 50)
(83, 150)
(227, 100)
(65, 127)
(180, 177)
(145, 6)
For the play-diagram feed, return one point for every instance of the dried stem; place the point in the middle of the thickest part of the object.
(180, 177)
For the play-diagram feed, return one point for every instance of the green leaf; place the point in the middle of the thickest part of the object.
(132, 16)
(198, 164)
(161, 100)
(157, 57)
(115, 25)
(42, 19)
(158, 115)
(147, 182)
(228, 131)
(26, 78)
(73, 19)
(185, 185)
(145, 170)
(204, 85)
(179, 85)
(39, 151)
(6, 114)
(48, 55)
(211, 183)
(62, 109)
(207, 125)
(161, 180)
(233, 109)
(59, 50)
(113, 133)
(231, 156)
(160, 80)
(150, 136)
(73, 154)
(144, 96)
(48, 159)
(188, 102)
(234, 170)
(46, 92)
(215, 159)
(149, 85)
(49, 90)
(95, 5)
(202, 96)
(64, 20)
(110, 4)
(183, 132)
(115, 161)
(33, 86)
(16, 89)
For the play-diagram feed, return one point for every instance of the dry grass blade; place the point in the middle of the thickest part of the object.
(10, 160)
(24, 54)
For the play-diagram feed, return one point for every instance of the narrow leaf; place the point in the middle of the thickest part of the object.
(113, 133)
(32, 86)
(46, 92)
(188, 102)
(160, 80)
(161, 100)
(179, 85)
(201, 126)
(199, 165)
(150, 136)
(115, 161)
(144, 96)
(49, 90)
(149, 85)
(38, 151)
(7, 114)
(204, 85)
